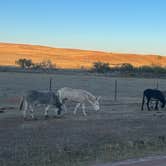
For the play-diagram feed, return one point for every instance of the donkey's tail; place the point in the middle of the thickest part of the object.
(21, 103)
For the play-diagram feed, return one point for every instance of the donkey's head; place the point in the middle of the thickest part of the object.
(95, 103)
(162, 99)
(163, 102)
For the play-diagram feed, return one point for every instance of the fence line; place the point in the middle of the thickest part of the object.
(116, 90)
(50, 84)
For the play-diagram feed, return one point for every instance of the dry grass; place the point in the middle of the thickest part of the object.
(120, 131)
(71, 58)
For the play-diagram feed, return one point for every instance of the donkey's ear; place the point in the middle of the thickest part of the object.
(98, 98)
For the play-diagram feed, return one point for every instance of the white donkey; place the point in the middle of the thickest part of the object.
(78, 95)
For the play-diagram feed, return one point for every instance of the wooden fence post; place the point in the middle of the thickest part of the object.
(116, 90)
(157, 84)
(50, 84)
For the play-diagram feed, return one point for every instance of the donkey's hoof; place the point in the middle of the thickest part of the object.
(46, 117)
(57, 116)
(25, 118)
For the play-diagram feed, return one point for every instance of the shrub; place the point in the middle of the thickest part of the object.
(47, 64)
(159, 69)
(24, 63)
(101, 67)
(27, 63)
(147, 69)
(126, 67)
(44, 65)
(152, 69)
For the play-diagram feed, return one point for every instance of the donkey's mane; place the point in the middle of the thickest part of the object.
(90, 96)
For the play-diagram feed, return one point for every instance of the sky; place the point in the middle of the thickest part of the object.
(128, 26)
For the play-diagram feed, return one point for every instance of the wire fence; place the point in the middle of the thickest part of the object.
(109, 88)
(126, 89)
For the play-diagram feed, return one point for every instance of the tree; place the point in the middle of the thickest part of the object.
(101, 67)
(126, 67)
(46, 64)
(24, 63)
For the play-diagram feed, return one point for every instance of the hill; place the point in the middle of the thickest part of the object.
(71, 58)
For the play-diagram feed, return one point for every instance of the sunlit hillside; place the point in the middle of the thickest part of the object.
(71, 58)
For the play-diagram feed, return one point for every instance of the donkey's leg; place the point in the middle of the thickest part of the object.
(25, 109)
(148, 100)
(31, 111)
(46, 111)
(83, 109)
(143, 101)
(55, 111)
(156, 106)
(64, 107)
(76, 107)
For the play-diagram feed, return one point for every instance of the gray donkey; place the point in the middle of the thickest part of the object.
(34, 97)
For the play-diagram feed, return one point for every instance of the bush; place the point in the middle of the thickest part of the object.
(46, 65)
(101, 67)
(159, 69)
(126, 67)
(27, 63)
(24, 63)
(152, 69)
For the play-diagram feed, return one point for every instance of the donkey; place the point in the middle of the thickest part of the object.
(80, 96)
(157, 101)
(34, 97)
(153, 94)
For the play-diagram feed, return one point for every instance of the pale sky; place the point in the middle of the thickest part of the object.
(130, 26)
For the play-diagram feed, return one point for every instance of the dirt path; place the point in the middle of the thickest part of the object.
(149, 161)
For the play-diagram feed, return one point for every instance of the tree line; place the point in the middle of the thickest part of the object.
(101, 67)
(28, 64)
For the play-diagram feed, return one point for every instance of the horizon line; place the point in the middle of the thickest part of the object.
(81, 49)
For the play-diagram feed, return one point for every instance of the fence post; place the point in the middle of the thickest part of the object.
(157, 84)
(116, 88)
(50, 84)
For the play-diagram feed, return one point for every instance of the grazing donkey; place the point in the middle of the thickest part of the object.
(78, 95)
(157, 101)
(34, 97)
(155, 95)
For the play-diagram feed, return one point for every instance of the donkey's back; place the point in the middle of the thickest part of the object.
(34, 97)
(41, 97)
(80, 96)
(74, 94)
(154, 93)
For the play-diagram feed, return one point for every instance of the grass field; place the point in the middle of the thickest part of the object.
(72, 58)
(119, 131)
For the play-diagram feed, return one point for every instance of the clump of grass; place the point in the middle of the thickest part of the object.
(131, 149)
(68, 155)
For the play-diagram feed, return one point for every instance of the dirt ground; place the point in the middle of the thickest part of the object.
(148, 161)
(120, 130)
